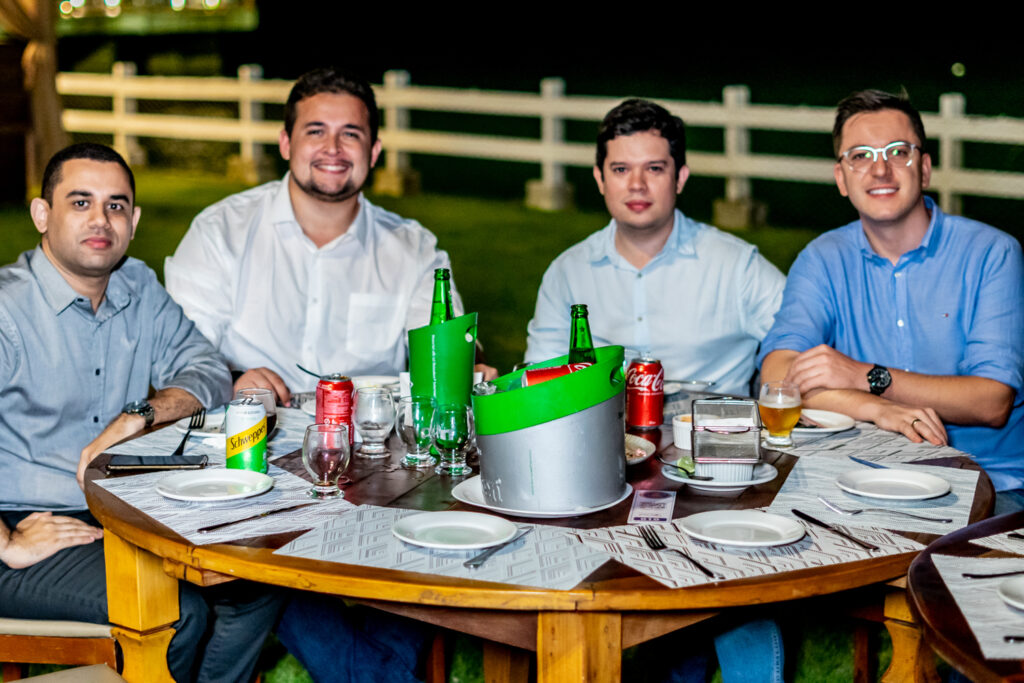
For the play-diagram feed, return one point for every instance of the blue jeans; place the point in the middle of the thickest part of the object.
(751, 652)
(1008, 501)
(343, 644)
(218, 635)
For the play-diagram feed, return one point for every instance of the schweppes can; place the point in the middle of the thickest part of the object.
(246, 430)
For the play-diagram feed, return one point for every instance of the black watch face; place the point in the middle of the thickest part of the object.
(879, 379)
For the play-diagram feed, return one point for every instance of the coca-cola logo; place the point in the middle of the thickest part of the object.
(576, 367)
(642, 380)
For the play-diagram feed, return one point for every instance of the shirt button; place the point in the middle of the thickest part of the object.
(639, 275)
(639, 318)
(898, 275)
(899, 323)
(97, 372)
(95, 419)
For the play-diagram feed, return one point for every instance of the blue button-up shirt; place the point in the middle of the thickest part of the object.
(66, 372)
(952, 306)
(701, 305)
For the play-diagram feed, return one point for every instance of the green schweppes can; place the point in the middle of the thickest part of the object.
(246, 430)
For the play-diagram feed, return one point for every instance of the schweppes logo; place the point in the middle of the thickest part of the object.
(249, 444)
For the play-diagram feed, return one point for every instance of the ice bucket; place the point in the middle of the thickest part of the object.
(558, 445)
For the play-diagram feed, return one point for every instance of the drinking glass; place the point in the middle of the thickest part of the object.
(266, 397)
(779, 406)
(373, 416)
(413, 426)
(325, 453)
(451, 432)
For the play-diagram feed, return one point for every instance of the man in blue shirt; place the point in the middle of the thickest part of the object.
(84, 333)
(908, 318)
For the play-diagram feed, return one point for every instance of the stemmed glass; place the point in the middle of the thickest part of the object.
(266, 397)
(779, 406)
(451, 432)
(413, 427)
(373, 415)
(325, 453)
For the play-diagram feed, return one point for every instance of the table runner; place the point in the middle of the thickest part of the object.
(184, 517)
(815, 474)
(1002, 542)
(818, 548)
(869, 442)
(988, 617)
(547, 557)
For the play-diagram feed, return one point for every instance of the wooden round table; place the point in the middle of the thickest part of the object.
(943, 624)
(578, 634)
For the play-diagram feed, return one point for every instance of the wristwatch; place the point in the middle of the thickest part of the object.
(879, 379)
(140, 408)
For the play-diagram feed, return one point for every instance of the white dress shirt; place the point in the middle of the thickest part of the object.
(266, 296)
(701, 306)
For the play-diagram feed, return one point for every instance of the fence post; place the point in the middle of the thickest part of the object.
(551, 192)
(952, 106)
(397, 178)
(737, 210)
(124, 107)
(250, 165)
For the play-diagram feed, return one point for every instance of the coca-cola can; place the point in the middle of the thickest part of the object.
(645, 393)
(534, 376)
(334, 402)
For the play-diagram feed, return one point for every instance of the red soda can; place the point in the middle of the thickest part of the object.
(334, 402)
(537, 375)
(645, 393)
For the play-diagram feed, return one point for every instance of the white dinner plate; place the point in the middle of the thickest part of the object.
(213, 425)
(742, 527)
(454, 530)
(892, 484)
(634, 444)
(674, 386)
(763, 473)
(1012, 592)
(385, 381)
(211, 485)
(471, 492)
(309, 407)
(830, 422)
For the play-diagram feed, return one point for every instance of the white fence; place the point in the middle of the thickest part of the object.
(735, 115)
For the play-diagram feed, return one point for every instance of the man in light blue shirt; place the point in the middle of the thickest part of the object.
(655, 281)
(909, 318)
(84, 333)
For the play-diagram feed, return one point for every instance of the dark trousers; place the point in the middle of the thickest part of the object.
(219, 632)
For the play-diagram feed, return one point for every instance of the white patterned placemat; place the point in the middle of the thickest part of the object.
(819, 547)
(1003, 542)
(547, 557)
(291, 428)
(869, 442)
(139, 491)
(989, 618)
(814, 476)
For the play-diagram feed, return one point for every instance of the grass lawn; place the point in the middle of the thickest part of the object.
(499, 252)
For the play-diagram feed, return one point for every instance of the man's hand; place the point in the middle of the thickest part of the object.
(917, 424)
(123, 426)
(42, 534)
(489, 372)
(825, 368)
(265, 378)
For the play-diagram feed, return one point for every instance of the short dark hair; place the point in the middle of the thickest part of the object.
(637, 116)
(331, 80)
(875, 100)
(81, 150)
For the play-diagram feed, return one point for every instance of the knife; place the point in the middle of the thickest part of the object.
(807, 518)
(862, 461)
(214, 527)
(477, 560)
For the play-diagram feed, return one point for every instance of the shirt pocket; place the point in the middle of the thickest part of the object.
(374, 323)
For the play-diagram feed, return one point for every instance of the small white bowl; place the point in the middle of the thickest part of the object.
(682, 426)
(725, 471)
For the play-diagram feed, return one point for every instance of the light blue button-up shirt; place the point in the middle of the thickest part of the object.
(701, 306)
(66, 372)
(952, 306)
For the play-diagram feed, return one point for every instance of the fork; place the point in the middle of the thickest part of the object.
(654, 542)
(849, 511)
(197, 421)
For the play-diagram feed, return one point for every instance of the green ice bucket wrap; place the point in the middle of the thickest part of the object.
(441, 359)
(516, 407)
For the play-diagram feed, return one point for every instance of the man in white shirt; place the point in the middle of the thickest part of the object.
(305, 270)
(655, 281)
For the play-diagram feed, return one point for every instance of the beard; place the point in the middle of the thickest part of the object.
(316, 191)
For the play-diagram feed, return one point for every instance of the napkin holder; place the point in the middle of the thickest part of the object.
(558, 445)
(726, 438)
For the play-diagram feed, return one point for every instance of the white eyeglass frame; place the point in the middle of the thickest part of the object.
(875, 151)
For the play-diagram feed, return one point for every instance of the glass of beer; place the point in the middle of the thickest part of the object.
(779, 406)
(266, 397)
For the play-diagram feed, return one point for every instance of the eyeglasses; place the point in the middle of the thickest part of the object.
(860, 159)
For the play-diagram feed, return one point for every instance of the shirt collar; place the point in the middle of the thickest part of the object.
(282, 214)
(59, 294)
(681, 240)
(923, 250)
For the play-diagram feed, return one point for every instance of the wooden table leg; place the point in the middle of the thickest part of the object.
(142, 603)
(505, 664)
(912, 659)
(579, 647)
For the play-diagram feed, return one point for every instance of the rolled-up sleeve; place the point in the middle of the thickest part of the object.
(807, 316)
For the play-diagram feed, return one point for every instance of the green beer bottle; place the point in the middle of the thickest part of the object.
(441, 308)
(581, 345)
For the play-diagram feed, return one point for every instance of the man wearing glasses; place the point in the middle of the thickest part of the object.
(909, 317)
